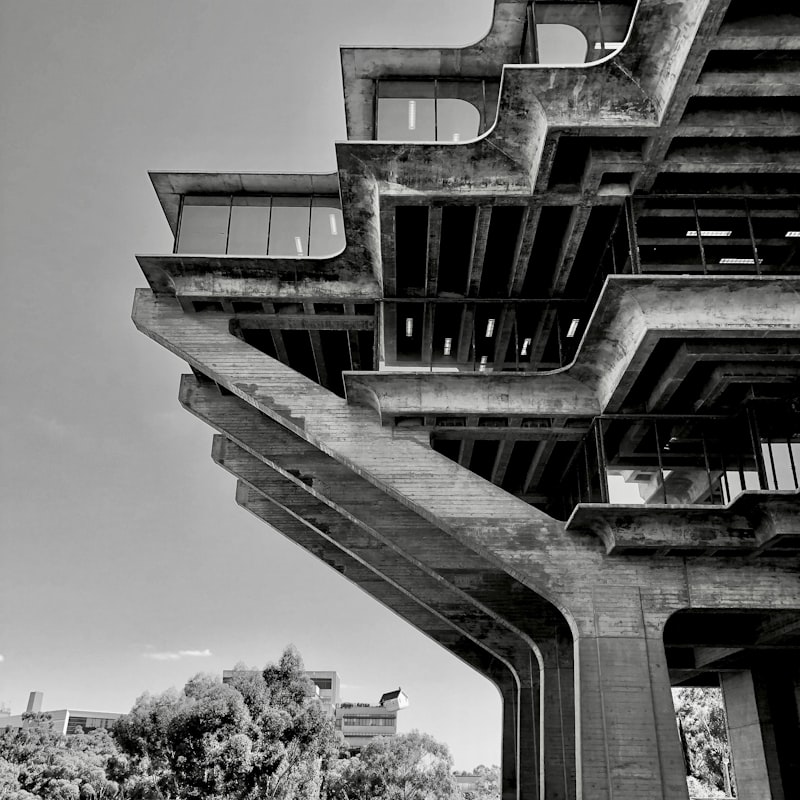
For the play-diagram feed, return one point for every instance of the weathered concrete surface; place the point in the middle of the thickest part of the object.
(631, 315)
(304, 498)
(462, 559)
(394, 394)
(613, 605)
(438, 491)
(200, 277)
(751, 523)
(429, 621)
(628, 94)
(763, 707)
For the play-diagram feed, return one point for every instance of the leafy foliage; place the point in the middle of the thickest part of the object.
(411, 766)
(701, 715)
(262, 736)
(488, 785)
(36, 762)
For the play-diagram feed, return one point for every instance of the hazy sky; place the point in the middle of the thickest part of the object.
(125, 564)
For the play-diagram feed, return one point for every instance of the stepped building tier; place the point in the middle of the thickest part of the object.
(526, 369)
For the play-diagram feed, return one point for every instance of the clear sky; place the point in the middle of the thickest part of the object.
(125, 564)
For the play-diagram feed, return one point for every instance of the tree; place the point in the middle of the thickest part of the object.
(37, 762)
(410, 766)
(701, 715)
(263, 735)
(488, 785)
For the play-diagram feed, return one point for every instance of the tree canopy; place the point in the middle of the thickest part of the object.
(410, 766)
(36, 762)
(701, 716)
(261, 736)
(487, 786)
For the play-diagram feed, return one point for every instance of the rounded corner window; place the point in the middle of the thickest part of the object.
(429, 111)
(261, 225)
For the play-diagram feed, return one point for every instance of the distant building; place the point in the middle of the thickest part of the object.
(358, 722)
(328, 687)
(466, 783)
(361, 722)
(63, 720)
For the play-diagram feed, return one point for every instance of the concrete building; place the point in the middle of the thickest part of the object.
(361, 722)
(62, 720)
(525, 369)
(328, 688)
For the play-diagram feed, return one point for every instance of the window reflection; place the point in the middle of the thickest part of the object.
(326, 226)
(260, 225)
(561, 44)
(249, 225)
(406, 119)
(429, 111)
(288, 235)
(456, 120)
(204, 224)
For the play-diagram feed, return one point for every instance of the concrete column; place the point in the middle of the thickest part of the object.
(628, 737)
(558, 719)
(761, 706)
(508, 752)
(744, 735)
(529, 744)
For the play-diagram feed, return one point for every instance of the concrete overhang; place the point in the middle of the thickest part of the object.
(394, 394)
(630, 86)
(359, 261)
(199, 277)
(170, 186)
(631, 315)
(484, 58)
(624, 94)
(754, 521)
(634, 312)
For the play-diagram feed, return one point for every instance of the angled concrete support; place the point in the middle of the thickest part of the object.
(495, 569)
(267, 491)
(428, 620)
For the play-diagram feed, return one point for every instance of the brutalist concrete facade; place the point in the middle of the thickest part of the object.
(545, 402)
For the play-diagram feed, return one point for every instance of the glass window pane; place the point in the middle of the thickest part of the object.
(249, 226)
(562, 44)
(204, 224)
(288, 232)
(406, 119)
(457, 120)
(327, 230)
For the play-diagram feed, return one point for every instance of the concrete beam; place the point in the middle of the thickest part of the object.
(317, 474)
(434, 247)
(480, 236)
(430, 622)
(691, 353)
(508, 534)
